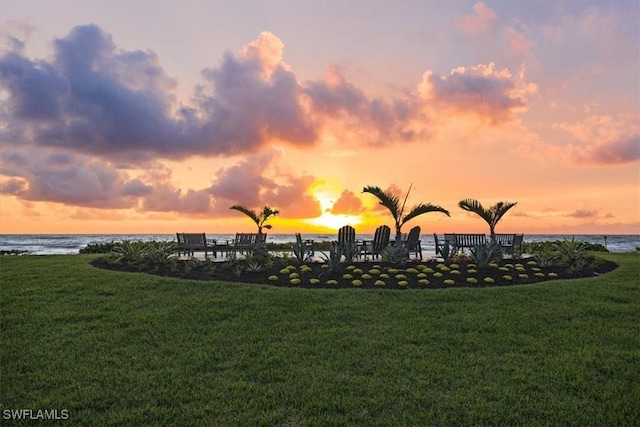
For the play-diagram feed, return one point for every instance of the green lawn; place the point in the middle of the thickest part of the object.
(117, 348)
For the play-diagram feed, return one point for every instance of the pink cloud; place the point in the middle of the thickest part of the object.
(481, 91)
(518, 42)
(480, 23)
(604, 139)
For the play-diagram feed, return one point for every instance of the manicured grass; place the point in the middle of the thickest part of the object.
(118, 348)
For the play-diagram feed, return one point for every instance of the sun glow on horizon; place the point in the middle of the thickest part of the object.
(333, 221)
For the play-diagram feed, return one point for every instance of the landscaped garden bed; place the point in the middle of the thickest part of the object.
(279, 271)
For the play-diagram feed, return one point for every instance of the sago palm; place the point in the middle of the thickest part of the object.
(491, 215)
(258, 218)
(392, 203)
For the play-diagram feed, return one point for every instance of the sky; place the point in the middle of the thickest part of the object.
(157, 116)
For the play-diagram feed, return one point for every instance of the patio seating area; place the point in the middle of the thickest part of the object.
(364, 249)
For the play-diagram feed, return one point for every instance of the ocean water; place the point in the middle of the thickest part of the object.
(52, 244)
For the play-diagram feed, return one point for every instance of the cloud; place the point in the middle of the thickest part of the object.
(97, 99)
(251, 99)
(619, 151)
(583, 213)
(375, 120)
(481, 91)
(71, 127)
(247, 183)
(482, 22)
(519, 44)
(604, 139)
(348, 203)
(83, 181)
(66, 178)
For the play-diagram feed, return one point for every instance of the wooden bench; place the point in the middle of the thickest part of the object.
(196, 242)
(460, 241)
(469, 241)
(246, 242)
(509, 242)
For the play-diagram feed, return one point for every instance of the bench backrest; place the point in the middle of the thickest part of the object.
(470, 240)
(249, 240)
(450, 238)
(505, 239)
(192, 239)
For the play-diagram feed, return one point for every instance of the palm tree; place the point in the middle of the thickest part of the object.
(260, 218)
(491, 215)
(392, 202)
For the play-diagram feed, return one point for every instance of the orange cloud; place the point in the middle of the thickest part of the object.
(348, 203)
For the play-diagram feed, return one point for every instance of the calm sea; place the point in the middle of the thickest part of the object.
(51, 244)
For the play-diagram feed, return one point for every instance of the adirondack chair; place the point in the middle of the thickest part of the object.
(347, 237)
(379, 243)
(413, 242)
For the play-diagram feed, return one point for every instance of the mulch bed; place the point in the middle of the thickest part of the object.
(360, 274)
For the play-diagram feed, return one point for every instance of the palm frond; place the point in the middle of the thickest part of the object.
(423, 208)
(499, 209)
(492, 215)
(472, 205)
(248, 212)
(389, 201)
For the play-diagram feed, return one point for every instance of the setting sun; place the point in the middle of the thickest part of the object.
(333, 222)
